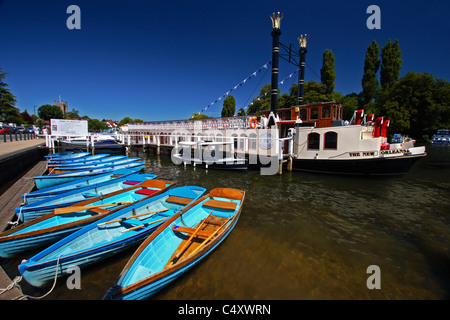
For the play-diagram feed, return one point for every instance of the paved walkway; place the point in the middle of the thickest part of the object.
(14, 146)
(12, 199)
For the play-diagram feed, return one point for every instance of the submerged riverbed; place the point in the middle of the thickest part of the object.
(307, 236)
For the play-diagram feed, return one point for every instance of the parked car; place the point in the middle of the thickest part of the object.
(28, 130)
(5, 130)
(15, 129)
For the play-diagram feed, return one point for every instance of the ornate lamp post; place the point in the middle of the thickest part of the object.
(276, 32)
(301, 75)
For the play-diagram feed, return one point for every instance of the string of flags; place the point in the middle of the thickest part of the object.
(240, 84)
(280, 83)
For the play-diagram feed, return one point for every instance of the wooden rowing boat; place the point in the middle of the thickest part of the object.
(88, 159)
(92, 165)
(91, 181)
(49, 180)
(66, 155)
(180, 243)
(103, 238)
(64, 221)
(36, 209)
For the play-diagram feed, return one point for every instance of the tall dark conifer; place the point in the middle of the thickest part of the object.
(327, 73)
(391, 64)
(369, 80)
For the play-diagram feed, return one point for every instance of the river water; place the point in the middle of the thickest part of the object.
(308, 236)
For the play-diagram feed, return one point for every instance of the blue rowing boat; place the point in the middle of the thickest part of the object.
(91, 181)
(49, 180)
(92, 158)
(69, 155)
(106, 237)
(58, 154)
(180, 243)
(56, 225)
(36, 209)
(93, 165)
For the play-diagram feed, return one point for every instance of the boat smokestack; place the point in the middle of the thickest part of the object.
(301, 75)
(276, 32)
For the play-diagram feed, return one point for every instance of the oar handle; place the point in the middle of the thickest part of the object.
(131, 217)
(80, 208)
(142, 225)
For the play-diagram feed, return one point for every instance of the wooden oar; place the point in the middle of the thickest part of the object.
(209, 238)
(189, 240)
(131, 217)
(143, 225)
(79, 208)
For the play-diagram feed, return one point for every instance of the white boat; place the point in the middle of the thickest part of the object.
(208, 154)
(324, 143)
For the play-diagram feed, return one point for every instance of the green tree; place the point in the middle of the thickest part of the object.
(198, 115)
(96, 125)
(74, 114)
(47, 112)
(369, 80)
(8, 111)
(315, 92)
(27, 118)
(420, 99)
(125, 121)
(327, 73)
(391, 64)
(229, 106)
(241, 112)
(260, 103)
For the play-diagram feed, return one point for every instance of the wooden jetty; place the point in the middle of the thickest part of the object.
(17, 157)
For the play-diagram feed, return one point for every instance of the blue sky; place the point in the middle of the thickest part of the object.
(164, 60)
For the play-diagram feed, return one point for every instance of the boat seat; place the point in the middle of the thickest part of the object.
(146, 192)
(200, 233)
(132, 182)
(178, 200)
(220, 204)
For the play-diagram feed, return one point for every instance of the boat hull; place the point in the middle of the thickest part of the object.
(145, 292)
(12, 247)
(50, 180)
(37, 209)
(41, 274)
(381, 166)
(94, 181)
(232, 164)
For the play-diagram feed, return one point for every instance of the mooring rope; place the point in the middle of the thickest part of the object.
(16, 280)
(15, 223)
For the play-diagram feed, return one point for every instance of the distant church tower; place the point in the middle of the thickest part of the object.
(62, 105)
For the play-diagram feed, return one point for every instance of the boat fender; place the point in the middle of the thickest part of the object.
(253, 123)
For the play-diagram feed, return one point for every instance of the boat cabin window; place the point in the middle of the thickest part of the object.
(287, 115)
(303, 114)
(326, 112)
(252, 141)
(314, 113)
(313, 141)
(330, 140)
